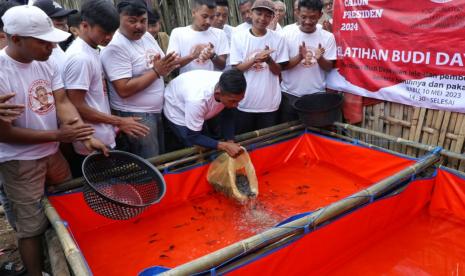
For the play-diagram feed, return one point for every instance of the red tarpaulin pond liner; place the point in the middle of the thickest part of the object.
(295, 176)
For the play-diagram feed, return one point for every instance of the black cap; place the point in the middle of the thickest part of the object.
(138, 4)
(53, 9)
(153, 17)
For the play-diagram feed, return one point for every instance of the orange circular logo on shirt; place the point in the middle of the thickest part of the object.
(40, 97)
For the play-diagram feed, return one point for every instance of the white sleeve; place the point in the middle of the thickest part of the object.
(77, 73)
(236, 55)
(223, 45)
(282, 50)
(194, 115)
(57, 81)
(116, 63)
(290, 43)
(173, 44)
(330, 48)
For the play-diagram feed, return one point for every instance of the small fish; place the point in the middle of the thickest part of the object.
(243, 185)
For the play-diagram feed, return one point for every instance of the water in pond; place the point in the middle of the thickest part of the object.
(254, 217)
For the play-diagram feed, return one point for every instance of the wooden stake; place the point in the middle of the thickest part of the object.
(72, 253)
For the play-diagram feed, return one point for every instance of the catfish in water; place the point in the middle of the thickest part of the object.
(243, 185)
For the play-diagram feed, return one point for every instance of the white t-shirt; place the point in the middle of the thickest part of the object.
(83, 71)
(124, 58)
(263, 93)
(310, 77)
(33, 84)
(228, 30)
(278, 28)
(184, 39)
(288, 28)
(59, 57)
(242, 27)
(189, 99)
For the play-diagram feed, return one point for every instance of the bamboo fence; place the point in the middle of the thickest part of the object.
(427, 126)
(177, 13)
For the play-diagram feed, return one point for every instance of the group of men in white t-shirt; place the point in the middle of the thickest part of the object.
(279, 66)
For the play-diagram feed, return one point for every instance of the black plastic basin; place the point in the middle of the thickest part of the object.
(319, 109)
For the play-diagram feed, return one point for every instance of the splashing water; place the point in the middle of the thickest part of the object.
(255, 218)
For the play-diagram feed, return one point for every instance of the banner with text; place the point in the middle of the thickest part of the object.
(410, 52)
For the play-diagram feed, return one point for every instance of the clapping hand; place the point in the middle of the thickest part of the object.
(264, 55)
(320, 51)
(9, 112)
(164, 65)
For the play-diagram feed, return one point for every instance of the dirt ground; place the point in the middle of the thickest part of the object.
(7, 240)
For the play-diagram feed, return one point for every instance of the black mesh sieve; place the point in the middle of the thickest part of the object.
(122, 185)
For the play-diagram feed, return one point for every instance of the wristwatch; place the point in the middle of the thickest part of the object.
(213, 56)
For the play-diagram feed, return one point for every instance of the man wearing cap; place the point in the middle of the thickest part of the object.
(313, 53)
(29, 153)
(259, 53)
(135, 66)
(8, 113)
(56, 12)
(198, 45)
(59, 17)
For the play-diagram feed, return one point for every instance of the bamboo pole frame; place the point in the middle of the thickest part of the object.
(72, 253)
(356, 141)
(400, 140)
(300, 226)
(78, 263)
(190, 154)
(246, 143)
(56, 255)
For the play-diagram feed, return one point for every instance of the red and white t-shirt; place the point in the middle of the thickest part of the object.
(33, 84)
(184, 39)
(263, 93)
(124, 58)
(307, 77)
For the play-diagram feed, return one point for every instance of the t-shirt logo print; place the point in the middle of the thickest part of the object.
(309, 58)
(40, 98)
(149, 55)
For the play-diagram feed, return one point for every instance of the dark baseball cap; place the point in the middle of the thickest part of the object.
(53, 9)
(263, 4)
(138, 4)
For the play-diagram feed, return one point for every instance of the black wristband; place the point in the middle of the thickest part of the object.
(156, 72)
